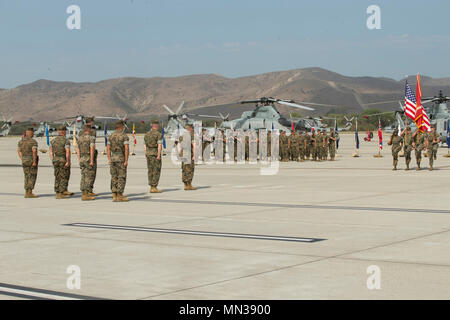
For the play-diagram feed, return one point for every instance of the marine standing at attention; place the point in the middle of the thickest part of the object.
(118, 152)
(396, 142)
(86, 153)
(332, 145)
(153, 147)
(93, 133)
(59, 152)
(186, 150)
(27, 150)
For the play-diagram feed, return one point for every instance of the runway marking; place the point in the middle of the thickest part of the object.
(39, 294)
(296, 206)
(195, 233)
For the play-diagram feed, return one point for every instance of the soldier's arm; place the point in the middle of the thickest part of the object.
(127, 153)
(92, 151)
(68, 156)
(34, 156)
(193, 150)
(19, 152)
(50, 152)
(108, 152)
(127, 150)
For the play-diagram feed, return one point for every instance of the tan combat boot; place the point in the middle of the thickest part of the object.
(122, 198)
(85, 196)
(155, 190)
(29, 194)
(60, 195)
(92, 194)
(190, 187)
(68, 193)
(114, 196)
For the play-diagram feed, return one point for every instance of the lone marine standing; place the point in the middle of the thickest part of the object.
(27, 150)
(153, 147)
(59, 152)
(86, 156)
(118, 153)
(186, 150)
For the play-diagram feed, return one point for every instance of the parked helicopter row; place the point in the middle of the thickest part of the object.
(264, 116)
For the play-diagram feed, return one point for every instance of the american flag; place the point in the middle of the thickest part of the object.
(410, 102)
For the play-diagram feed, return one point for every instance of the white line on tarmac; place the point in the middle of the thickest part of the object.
(197, 233)
(20, 292)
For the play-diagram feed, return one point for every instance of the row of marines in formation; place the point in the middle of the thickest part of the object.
(117, 152)
(298, 146)
(417, 142)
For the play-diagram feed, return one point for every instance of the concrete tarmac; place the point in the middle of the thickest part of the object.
(311, 231)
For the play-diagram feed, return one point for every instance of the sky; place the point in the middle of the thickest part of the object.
(167, 38)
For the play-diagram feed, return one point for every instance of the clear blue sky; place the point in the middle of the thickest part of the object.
(146, 38)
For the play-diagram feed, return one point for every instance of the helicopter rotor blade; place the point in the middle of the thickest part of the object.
(168, 110)
(180, 107)
(291, 104)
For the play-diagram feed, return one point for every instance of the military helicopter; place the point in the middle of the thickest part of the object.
(6, 127)
(438, 114)
(177, 120)
(266, 116)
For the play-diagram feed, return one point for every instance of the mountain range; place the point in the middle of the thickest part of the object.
(143, 98)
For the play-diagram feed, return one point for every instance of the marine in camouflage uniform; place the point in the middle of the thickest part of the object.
(153, 146)
(408, 146)
(308, 139)
(284, 147)
(118, 152)
(294, 146)
(269, 144)
(27, 150)
(93, 133)
(396, 142)
(302, 145)
(186, 143)
(418, 146)
(324, 145)
(432, 145)
(314, 145)
(332, 144)
(86, 156)
(59, 152)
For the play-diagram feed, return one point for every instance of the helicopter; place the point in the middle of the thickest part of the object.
(177, 120)
(438, 114)
(266, 116)
(6, 127)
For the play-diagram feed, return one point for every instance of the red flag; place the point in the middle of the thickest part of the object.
(380, 135)
(292, 125)
(421, 118)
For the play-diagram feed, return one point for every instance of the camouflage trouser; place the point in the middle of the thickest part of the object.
(30, 173)
(324, 153)
(118, 177)
(418, 153)
(395, 151)
(91, 186)
(283, 152)
(308, 151)
(154, 170)
(315, 152)
(187, 172)
(62, 176)
(87, 176)
(407, 151)
(432, 152)
(302, 153)
(332, 149)
(295, 153)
